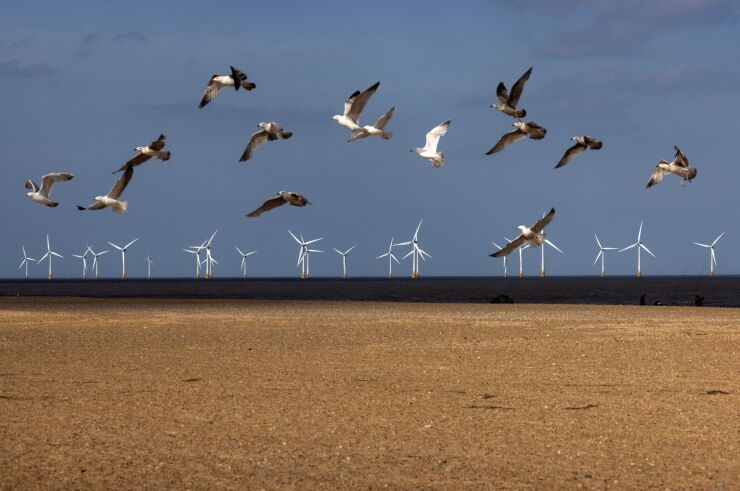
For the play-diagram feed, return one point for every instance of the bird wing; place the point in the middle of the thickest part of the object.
(658, 175)
(680, 159)
(211, 91)
(510, 247)
(121, 183)
(49, 179)
(95, 206)
(158, 144)
(517, 88)
(383, 120)
(140, 158)
(358, 102)
(257, 139)
(542, 222)
(593, 143)
(435, 134)
(535, 131)
(501, 93)
(506, 140)
(267, 206)
(570, 153)
(31, 185)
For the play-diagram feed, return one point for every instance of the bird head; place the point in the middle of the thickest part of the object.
(29, 194)
(335, 117)
(521, 227)
(518, 124)
(139, 149)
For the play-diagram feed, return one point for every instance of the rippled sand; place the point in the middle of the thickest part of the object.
(246, 394)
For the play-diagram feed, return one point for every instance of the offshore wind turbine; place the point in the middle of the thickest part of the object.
(84, 262)
(209, 258)
(521, 262)
(712, 257)
(303, 253)
(95, 260)
(542, 255)
(123, 256)
(149, 264)
(506, 273)
(48, 255)
(391, 258)
(602, 254)
(416, 252)
(25, 261)
(639, 246)
(344, 259)
(243, 267)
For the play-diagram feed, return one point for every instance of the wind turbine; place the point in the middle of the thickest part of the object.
(123, 256)
(602, 254)
(542, 254)
(303, 253)
(149, 264)
(95, 259)
(416, 252)
(344, 259)
(243, 267)
(639, 246)
(196, 253)
(712, 257)
(521, 262)
(506, 273)
(84, 262)
(48, 255)
(209, 258)
(25, 260)
(391, 258)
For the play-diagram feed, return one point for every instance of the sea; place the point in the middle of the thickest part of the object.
(715, 291)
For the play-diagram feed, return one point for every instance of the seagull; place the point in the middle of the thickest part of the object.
(111, 199)
(679, 166)
(377, 128)
(268, 132)
(507, 102)
(282, 197)
(532, 235)
(429, 151)
(154, 149)
(41, 195)
(582, 143)
(523, 130)
(235, 79)
(353, 106)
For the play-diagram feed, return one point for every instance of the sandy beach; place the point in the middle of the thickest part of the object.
(358, 395)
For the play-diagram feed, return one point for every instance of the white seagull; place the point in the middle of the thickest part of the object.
(523, 130)
(235, 79)
(507, 102)
(111, 199)
(353, 106)
(282, 197)
(154, 149)
(41, 194)
(531, 235)
(679, 166)
(377, 128)
(429, 151)
(582, 143)
(268, 132)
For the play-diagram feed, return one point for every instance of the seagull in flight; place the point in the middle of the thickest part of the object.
(377, 128)
(268, 132)
(111, 199)
(282, 197)
(507, 102)
(429, 151)
(154, 149)
(679, 166)
(532, 236)
(523, 130)
(582, 143)
(235, 79)
(41, 194)
(353, 106)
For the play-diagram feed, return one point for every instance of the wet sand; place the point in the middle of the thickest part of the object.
(359, 395)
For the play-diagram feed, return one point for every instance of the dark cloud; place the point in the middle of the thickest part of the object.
(16, 69)
(136, 36)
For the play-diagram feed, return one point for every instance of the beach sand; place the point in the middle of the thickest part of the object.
(246, 394)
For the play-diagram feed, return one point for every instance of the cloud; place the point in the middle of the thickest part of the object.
(90, 38)
(136, 36)
(16, 69)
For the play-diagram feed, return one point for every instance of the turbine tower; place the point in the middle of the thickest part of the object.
(712, 257)
(602, 254)
(84, 262)
(48, 255)
(123, 256)
(639, 246)
(25, 261)
(149, 264)
(416, 252)
(391, 258)
(344, 259)
(243, 267)
(542, 255)
(303, 253)
(95, 260)
(196, 253)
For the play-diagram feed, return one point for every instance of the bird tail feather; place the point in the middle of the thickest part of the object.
(519, 113)
(164, 156)
(387, 135)
(121, 207)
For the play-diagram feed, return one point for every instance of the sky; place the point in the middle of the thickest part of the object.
(83, 83)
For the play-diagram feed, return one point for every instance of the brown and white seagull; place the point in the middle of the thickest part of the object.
(235, 79)
(154, 149)
(582, 143)
(268, 132)
(111, 199)
(679, 166)
(507, 102)
(523, 130)
(41, 194)
(282, 198)
(533, 236)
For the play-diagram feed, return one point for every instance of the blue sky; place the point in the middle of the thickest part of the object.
(85, 82)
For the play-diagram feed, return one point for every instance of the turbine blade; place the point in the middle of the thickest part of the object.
(547, 241)
(598, 256)
(239, 251)
(702, 245)
(639, 232)
(114, 245)
(597, 241)
(714, 258)
(628, 247)
(717, 239)
(294, 237)
(647, 250)
(130, 243)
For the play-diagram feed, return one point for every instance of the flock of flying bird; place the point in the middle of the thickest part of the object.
(350, 119)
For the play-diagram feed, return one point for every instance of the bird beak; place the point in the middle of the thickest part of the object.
(309, 203)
